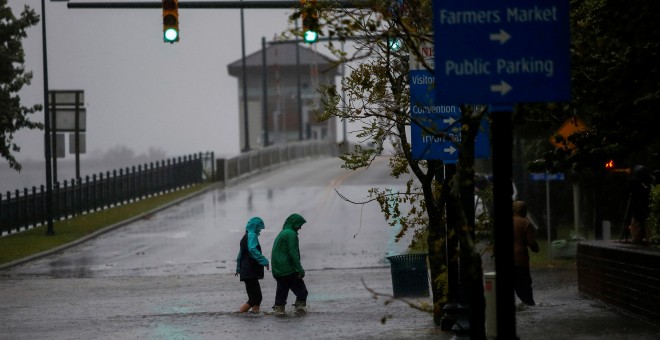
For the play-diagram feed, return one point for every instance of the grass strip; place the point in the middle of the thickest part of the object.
(33, 241)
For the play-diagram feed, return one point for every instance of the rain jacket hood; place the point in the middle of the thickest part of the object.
(255, 225)
(294, 221)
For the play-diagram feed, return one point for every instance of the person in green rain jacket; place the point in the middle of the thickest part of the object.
(287, 269)
(250, 264)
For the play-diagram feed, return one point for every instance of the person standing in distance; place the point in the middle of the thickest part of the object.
(523, 238)
(250, 264)
(287, 269)
(641, 183)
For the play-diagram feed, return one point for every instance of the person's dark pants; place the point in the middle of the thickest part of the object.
(253, 290)
(290, 282)
(523, 285)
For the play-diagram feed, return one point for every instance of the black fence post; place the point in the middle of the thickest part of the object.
(65, 200)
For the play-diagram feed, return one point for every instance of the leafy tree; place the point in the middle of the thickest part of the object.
(13, 115)
(616, 87)
(376, 95)
(616, 91)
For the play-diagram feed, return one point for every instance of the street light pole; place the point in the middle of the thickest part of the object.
(264, 104)
(49, 179)
(300, 117)
(245, 99)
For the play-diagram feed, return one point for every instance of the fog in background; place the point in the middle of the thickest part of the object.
(141, 94)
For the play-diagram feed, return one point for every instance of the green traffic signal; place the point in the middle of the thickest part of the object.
(310, 36)
(394, 44)
(171, 35)
(170, 21)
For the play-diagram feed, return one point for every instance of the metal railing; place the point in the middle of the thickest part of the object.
(253, 162)
(27, 209)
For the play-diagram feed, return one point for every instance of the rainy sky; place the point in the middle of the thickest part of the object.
(139, 91)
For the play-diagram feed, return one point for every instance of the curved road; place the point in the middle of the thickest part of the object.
(201, 235)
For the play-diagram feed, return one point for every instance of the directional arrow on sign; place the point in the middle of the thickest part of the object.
(451, 149)
(449, 121)
(503, 88)
(502, 36)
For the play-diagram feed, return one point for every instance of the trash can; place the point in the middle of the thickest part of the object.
(410, 276)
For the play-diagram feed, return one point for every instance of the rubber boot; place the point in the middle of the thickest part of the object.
(300, 306)
(278, 310)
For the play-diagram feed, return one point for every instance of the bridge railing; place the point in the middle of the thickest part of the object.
(256, 161)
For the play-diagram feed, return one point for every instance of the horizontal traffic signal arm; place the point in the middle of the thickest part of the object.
(282, 4)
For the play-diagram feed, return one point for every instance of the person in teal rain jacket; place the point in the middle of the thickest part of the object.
(250, 264)
(287, 269)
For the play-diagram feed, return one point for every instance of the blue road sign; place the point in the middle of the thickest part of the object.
(504, 51)
(436, 129)
(542, 176)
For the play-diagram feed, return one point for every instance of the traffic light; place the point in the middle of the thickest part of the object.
(310, 21)
(170, 21)
(612, 167)
(394, 44)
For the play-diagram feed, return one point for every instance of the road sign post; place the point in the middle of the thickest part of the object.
(501, 53)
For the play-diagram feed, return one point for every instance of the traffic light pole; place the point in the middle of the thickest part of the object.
(286, 4)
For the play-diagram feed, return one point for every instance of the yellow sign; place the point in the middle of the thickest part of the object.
(570, 126)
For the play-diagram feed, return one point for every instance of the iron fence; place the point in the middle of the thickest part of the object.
(27, 209)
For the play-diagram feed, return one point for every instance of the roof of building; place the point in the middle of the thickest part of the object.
(282, 55)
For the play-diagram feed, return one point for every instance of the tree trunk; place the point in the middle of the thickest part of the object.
(437, 250)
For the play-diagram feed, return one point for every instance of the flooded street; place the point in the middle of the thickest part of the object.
(170, 274)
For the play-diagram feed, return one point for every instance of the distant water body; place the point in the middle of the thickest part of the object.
(33, 173)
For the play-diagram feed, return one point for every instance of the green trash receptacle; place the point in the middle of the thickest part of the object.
(410, 276)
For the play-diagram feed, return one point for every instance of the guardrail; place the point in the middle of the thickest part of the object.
(253, 162)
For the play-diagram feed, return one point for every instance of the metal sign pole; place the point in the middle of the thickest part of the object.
(502, 131)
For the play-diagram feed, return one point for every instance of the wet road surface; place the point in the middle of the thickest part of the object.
(170, 275)
(201, 235)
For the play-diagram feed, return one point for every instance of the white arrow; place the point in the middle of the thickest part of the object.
(503, 88)
(449, 121)
(451, 149)
(502, 37)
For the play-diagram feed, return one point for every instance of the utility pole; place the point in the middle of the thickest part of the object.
(47, 145)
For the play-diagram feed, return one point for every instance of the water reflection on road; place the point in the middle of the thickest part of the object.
(201, 235)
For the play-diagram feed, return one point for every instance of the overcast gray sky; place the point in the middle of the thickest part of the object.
(139, 91)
